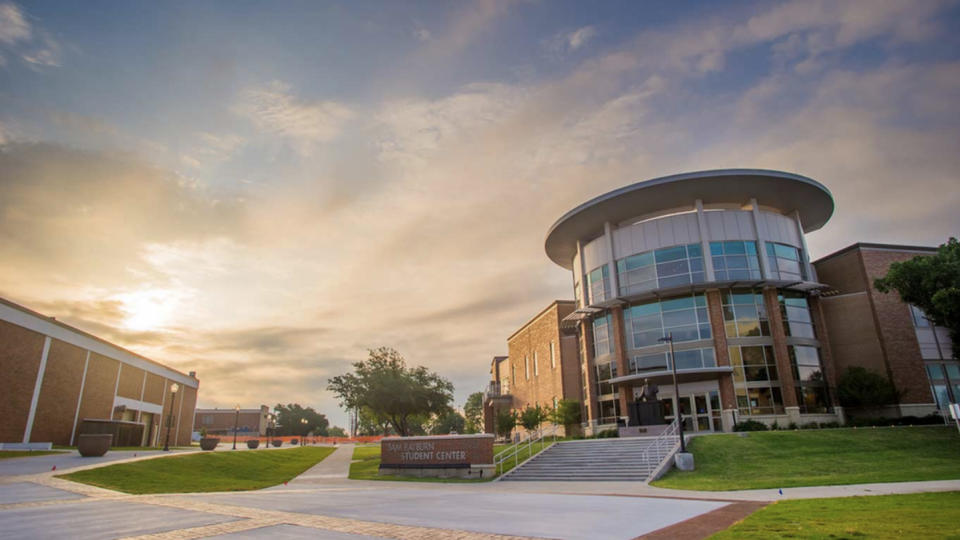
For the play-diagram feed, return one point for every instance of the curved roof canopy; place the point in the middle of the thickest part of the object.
(776, 189)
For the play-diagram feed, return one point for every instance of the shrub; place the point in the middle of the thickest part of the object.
(608, 434)
(860, 387)
(775, 426)
(828, 425)
(810, 425)
(750, 425)
(793, 425)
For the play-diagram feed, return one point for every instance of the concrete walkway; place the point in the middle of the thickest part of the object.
(335, 466)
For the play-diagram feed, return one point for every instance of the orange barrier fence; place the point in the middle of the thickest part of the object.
(302, 440)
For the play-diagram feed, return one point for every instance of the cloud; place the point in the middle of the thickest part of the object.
(36, 47)
(275, 110)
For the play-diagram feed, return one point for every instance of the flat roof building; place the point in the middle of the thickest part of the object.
(223, 421)
(55, 376)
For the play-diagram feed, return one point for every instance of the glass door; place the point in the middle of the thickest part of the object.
(701, 411)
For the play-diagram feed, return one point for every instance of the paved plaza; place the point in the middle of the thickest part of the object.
(323, 503)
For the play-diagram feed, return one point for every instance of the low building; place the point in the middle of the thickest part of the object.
(222, 421)
(880, 332)
(55, 376)
(542, 366)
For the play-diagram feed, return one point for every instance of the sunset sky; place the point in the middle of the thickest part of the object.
(261, 191)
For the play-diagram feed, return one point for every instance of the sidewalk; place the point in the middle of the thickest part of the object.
(335, 466)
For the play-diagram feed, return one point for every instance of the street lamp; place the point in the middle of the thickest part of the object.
(236, 424)
(173, 394)
(270, 419)
(676, 391)
(304, 422)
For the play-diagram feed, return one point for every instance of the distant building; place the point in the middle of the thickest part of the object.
(718, 260)
(55, 376)
(222, 421)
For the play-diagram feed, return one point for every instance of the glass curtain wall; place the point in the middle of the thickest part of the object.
(661, 268)
(755, 380)
(795, 309)
(598, 283)
(786, 262)
(733, 260)
(811, 385)
(744, 314)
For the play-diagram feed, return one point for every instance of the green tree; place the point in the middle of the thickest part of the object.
(506, 421)
(532, 417)
(932, 283)
(390, 390)
(292, 419)
(336, 431)
(860, 387)
(449, 422)
(567, 414)
(473, 413)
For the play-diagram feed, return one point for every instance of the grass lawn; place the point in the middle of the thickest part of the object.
(7, 454)
(208, 471)
(367, 464)
(774, 459)
(923, 515)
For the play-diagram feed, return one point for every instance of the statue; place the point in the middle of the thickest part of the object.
(649, 391)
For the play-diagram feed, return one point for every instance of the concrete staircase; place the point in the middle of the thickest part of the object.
(630, 459)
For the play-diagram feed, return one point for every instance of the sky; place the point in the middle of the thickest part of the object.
(263, 191)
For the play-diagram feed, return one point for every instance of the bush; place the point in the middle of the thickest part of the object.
(860, 387)
(810, 425)
(750, 425)
(931, 419)
(829, 425)
(608, 434)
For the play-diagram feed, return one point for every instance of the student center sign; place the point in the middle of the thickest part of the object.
(445, 456)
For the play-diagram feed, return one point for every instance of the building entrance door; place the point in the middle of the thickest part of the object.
(700, 410)
(147, 420)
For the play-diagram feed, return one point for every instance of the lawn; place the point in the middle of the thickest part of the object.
(7, 454)
(366, 465)
(923, 515)
(775, 459)
(207, 471)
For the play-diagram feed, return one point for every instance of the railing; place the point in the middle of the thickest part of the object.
(495, 389)
(663, 444)
(526, 445)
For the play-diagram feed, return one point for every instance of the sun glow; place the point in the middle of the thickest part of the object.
(149, 309)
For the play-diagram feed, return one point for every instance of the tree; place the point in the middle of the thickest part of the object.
(290, 416)
(473, 413)
(567, 414)
(932, 283)
(390, 390)
(336, 431)
(532, 417)
(449, 422)
(506, 421)
(860, 387)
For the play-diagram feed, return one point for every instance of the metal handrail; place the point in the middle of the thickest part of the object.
(518, 447)
(662, 442)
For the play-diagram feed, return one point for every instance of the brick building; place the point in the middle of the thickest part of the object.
(222, 421)
(55, 376)
(541, 368)
(880, 332)
(718, 260)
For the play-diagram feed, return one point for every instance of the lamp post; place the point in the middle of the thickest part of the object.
(270, 419)
(236, 424)
(676, 391)
(173, 394)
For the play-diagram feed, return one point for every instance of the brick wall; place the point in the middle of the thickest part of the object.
(20, 352)
(58, 394)
(545, 382)
(728, 398)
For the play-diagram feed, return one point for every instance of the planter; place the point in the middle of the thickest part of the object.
(294, 441)
(94, 444)
(209, 443)
(276, 442)
(253, 443)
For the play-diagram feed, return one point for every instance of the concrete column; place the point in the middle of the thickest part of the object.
(624, 390)
(584, 299)
(765, 269)
(612, 263)
(31, 416)
(807, 267)
(787, 386)
(705, 241)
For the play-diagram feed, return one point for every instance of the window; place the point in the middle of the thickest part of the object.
(661, 268)
(796, 314)
(688, 359)
(685, 317)
(609, 411)
(536, 365)
(755, 380)
(605, 372)
(786, 262)
(744, 314)
(919, 317)
(576, 293)
(808, 375)
(526, 367)
(208, 419)
(734, 260)
(944, 382)
(598, 283)
(553, 357)
(602, 342)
